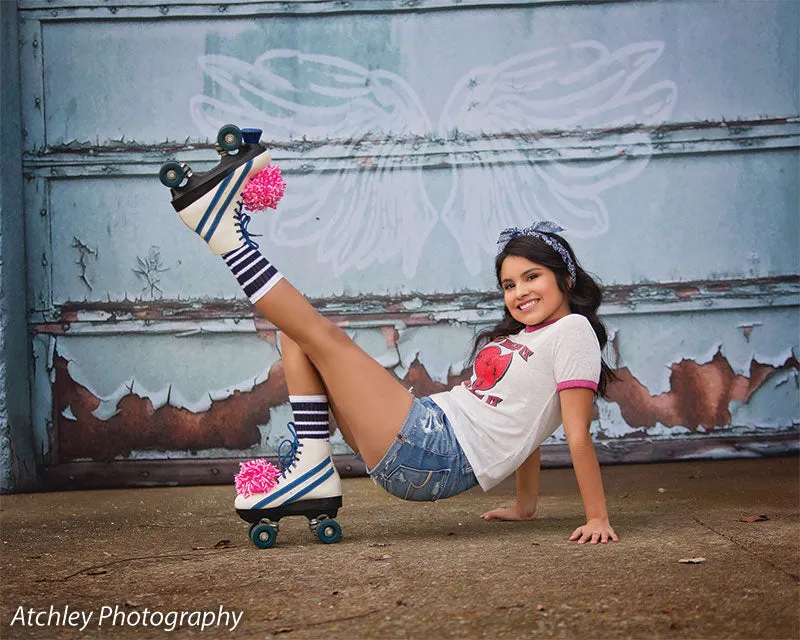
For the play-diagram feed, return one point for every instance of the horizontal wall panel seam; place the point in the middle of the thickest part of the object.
(236, 316)
(87, 10)
(75, 159)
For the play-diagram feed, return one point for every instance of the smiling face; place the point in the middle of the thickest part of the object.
(531, 292)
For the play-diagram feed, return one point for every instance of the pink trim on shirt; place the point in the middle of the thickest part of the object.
(577, 384)
(535, 327)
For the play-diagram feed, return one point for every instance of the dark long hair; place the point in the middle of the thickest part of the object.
(584, 296)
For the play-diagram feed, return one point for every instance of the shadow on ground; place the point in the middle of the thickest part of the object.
(409, 570)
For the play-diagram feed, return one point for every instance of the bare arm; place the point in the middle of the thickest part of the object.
(527, 477)
(576, 413)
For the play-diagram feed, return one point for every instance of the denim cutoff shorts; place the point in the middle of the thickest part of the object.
(425, 462)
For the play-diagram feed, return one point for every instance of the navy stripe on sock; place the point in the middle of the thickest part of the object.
(253, 271)
(232, 256)
(310, 406)
(242, 263)
(257, 267)
(256, 284)
(311, 419)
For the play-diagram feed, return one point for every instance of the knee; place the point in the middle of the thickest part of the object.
(326, 339)
(330, 340)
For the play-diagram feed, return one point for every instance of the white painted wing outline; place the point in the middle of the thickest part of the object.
(353, 216)
(579, 86)
(356, 217)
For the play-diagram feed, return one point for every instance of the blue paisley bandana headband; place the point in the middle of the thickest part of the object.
(539, 230)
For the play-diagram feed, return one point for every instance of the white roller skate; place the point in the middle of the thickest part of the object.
(308, 486)
(210, 203)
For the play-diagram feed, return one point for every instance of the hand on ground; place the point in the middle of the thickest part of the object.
(508, 513)
(593, 532)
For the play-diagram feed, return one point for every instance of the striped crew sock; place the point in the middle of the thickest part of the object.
(253, 271)
(310, 416)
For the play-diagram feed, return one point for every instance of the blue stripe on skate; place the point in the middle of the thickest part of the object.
(319, 481)
(220, 189)
(289, 487)
(228, 200)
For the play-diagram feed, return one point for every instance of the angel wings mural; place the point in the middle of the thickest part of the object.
(379, 209)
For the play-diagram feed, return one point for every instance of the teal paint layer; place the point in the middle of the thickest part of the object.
(17, 466)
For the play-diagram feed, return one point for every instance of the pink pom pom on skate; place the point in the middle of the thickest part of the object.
(255, 476)
(265, 189)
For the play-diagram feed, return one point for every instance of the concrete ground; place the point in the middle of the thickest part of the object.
(408, 570)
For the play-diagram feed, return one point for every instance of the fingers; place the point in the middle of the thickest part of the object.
(584, 535)
(606, 536)
(589, 536)
(581, 535)
(505, 514)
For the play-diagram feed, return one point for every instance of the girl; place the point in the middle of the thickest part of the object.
(538, 368)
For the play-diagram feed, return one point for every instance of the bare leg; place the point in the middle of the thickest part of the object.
(303, 379)
(366, 397)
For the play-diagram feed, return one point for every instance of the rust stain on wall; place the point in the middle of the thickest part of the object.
(699, 394)
(230, 424)
(423, 385)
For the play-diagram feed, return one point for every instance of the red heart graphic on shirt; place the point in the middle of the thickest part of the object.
(490, 366)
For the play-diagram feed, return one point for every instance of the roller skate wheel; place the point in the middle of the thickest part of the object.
(251, 136)
(329, 531)
(263, 535)
(229, 137)
(171, 174)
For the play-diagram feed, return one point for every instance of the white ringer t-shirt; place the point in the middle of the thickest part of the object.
(510, 405)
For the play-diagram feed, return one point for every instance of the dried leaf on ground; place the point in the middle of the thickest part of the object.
(753, 518)
(692, 560)
(282, 630)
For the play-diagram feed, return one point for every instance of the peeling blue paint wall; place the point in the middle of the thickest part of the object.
(663, 136)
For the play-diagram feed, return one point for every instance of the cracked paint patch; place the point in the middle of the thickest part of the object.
(419, 380)
(85, 253)
(148, 271)
(747, 328)
(700, 395)
(230, 423)
(649, 346)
